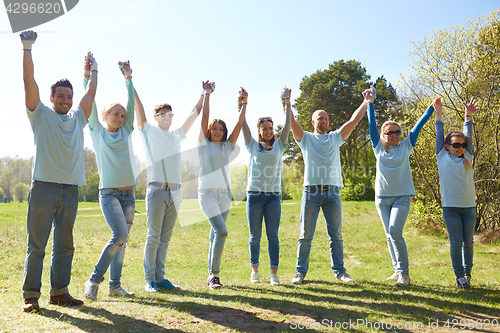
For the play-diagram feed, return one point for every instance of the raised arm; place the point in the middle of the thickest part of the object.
(241, 119)
(348, 127)
(243, 98)
(193, 115)
(88, 99)
(139, 112)
(438, 106)
(127, 74)
(208, 88)
(297, 130)
(32, 95)
(470, 109)
(93, 119)
(415, 131)
(287, 109)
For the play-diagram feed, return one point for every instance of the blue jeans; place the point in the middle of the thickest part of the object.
(393, 212)
(265, 205)
(162, 207)
(118, 208)
(215, 204)
(313, 199)
(50, 205)
(461, 223)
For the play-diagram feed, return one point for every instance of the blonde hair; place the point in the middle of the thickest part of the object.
(105, 110)
(384, 125)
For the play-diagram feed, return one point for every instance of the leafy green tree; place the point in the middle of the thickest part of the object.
(21, 191)
(457, 64)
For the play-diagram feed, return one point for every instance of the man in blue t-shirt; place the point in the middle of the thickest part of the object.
(58, 169)
(322, 180)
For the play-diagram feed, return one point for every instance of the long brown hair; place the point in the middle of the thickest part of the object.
(209, 130)
(261, 140)
(447, 141)
(384, 125)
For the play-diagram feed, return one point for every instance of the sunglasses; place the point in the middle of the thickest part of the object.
(458, 145)
(391, 133)
(264, 119)
(165, 114)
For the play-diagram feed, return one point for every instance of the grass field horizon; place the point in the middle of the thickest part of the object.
(368, 304)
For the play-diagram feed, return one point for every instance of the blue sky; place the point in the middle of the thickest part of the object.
(174, 45)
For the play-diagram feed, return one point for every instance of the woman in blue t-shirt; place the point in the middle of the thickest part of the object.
(264, 187)
(214, 186)
(456, 178)
(394, 185)
(117, 173)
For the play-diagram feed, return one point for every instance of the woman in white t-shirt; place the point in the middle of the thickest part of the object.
(456, 177)
(214, 187)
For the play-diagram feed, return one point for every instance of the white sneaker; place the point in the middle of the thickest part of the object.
(344, 277)
(297, 278)
(275, 279)
(120, 292)
(393, 277)
(462, 282)
(254, 277)
(403, 280)
(91, 290)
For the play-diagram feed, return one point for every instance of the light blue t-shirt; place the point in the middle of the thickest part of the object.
(58, 140)
(456, 181)
(322, 158)
(114, 153)
(264, 169)
(214, 164)
(393, 169)
(115, 156)
(163, 154)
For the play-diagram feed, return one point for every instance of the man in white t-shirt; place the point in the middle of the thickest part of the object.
(58, 170)
(322, 180)
(164, 194)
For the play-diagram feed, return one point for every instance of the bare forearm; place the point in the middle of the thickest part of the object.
(30, 87)
(139, 111)
(356, 117)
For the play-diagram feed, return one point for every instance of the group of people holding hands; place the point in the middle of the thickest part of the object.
(58, 170)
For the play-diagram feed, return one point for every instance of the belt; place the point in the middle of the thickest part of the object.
(323, 187)
(166, 186)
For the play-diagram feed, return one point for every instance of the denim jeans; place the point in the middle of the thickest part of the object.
(50, 205)
(215, 204)
(461, 223)
(265, 205)
(393, 212)
(162, 207)
(118, 208)
(313, 199)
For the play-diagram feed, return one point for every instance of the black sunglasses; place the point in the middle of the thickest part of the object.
(458, 145)
(391, 133)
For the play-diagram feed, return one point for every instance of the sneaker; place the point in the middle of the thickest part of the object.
(120, 292)
(91, 290)
(275, 279)
(462, 282)
(31, 305)
(214, 282)
(166, 284)
(344, 277)
(403, 280)
(467, 277)
(393, 277)
(254, 277)
(298, 278)
(151, 287)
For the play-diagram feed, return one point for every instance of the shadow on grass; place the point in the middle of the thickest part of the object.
(105, 321)
(324, 307)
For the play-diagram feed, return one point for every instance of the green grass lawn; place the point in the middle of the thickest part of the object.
(320, 304)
